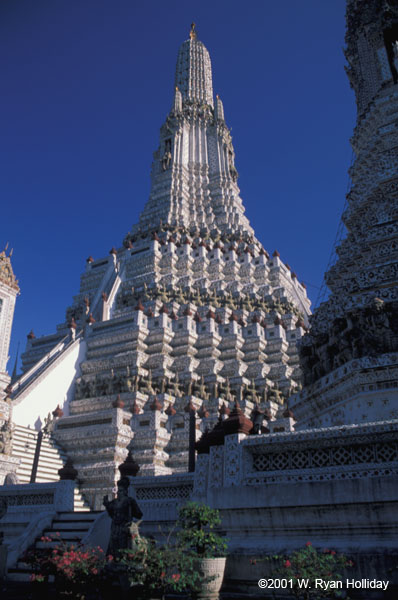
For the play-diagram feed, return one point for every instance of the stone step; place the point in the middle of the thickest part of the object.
(71, 525)
(78, 515)
(47, 450)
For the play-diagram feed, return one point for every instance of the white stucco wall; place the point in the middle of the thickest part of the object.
(53, 386)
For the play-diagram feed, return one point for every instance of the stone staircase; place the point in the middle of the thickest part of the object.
(51, 459)
(68, 527)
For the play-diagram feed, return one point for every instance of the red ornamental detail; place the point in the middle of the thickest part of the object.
(197, 318)
(113, 251)
(164, 309)
(118, 403)
(90, 319)
(135, 409)
(170, 411)
(187, 312)
(224, 410)
(139, 306)
(288, 414)
(276, 253)
(156, 405)
(267, 414)
(89, 259)
(58, 412)
(203, 413)
(31, 335)
(189, 407)
(237, 422)
(211, 315)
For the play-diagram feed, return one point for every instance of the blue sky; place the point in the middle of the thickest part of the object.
(86, 85)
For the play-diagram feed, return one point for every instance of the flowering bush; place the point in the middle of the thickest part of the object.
(163, 568)
(73, 567)
(306, 565)
(309, 563)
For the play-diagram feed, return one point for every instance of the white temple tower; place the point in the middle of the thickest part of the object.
(8, 292)
(350, 359)
(189, 313)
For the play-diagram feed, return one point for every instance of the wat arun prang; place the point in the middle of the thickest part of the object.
(191, 312)
(350, 357)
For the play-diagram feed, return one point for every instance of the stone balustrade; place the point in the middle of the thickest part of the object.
(160, 497)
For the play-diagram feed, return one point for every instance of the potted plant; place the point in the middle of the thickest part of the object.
(197, 524)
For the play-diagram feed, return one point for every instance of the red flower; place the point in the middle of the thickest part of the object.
(326, 551)
(308, 544)
(175, 576)
(287, 563)
(94, 571)
(110, 558)
(33, 577)
(162, 575)
(333, 553)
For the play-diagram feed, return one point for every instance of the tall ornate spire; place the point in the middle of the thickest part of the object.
(193, 72)
(372, 47)
(194, 179)
(354, 334)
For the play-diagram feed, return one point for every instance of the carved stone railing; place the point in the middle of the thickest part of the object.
(36, 497)
(160, 497)
(334, 453)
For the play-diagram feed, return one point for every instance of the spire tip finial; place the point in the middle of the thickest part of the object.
(192, 33)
